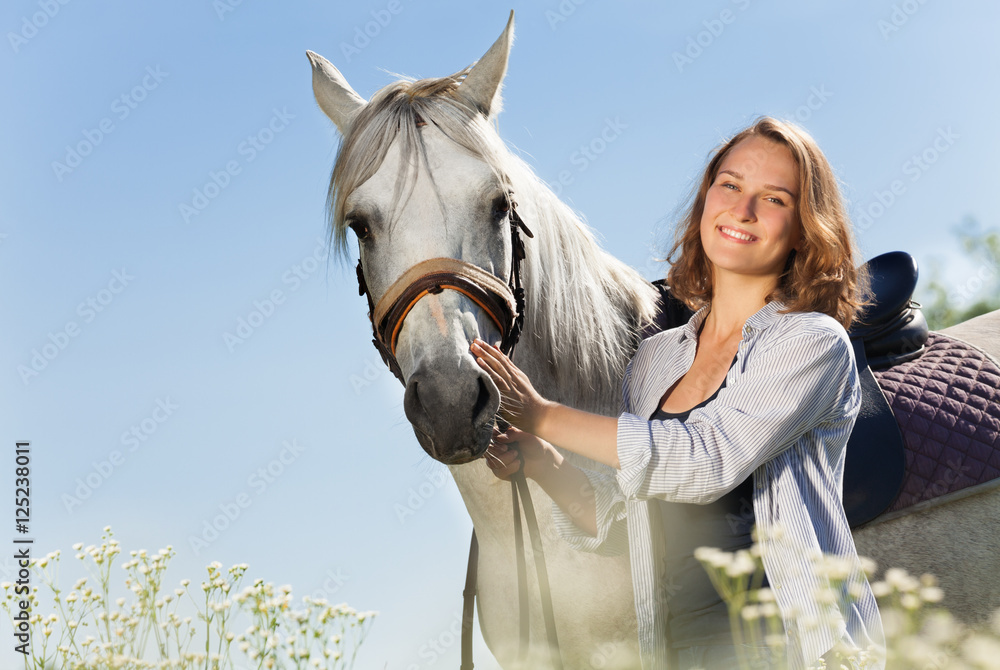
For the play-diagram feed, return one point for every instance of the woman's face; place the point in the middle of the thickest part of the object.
(750, 224)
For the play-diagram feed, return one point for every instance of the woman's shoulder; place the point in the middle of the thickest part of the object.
(658, 343)
(814, 323)
(814, 331)
(656, 352)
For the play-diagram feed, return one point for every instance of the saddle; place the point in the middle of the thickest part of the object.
(892, 330)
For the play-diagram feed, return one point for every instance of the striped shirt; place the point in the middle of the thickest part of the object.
(784, 417)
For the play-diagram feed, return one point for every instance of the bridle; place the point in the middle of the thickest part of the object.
(505, 305)
(502, 302)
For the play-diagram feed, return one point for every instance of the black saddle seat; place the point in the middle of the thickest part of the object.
(892, 328)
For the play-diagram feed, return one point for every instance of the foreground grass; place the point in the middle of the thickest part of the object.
(84, 629)
(920, 634)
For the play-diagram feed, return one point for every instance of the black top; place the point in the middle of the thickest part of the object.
(697, 614)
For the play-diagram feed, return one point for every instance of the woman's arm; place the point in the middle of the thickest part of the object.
(583, 433)
(793, 382)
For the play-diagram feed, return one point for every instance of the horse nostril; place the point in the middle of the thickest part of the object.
(414, 407)
(483, 409)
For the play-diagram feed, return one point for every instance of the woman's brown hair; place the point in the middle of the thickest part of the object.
(822, 276)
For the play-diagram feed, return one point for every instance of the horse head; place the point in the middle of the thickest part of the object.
(419, 176)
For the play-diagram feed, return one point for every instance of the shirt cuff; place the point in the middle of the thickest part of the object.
(634, 453)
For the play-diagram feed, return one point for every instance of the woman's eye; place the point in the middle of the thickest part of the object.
(731, 187)
(776, 201)
(360, 228)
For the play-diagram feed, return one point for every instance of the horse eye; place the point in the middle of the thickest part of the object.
(360, 228)
(501, 206)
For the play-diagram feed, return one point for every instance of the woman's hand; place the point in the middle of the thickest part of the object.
(520, 403)
(590, 435)
(566, 484)
(509, 449)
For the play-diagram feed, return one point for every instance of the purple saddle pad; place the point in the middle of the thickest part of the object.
(947, 405)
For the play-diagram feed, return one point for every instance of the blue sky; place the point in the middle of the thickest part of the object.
(207, 107)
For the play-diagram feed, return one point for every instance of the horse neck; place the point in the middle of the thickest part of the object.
(584, 307)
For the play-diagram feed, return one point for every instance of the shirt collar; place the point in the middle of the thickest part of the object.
(760, 320)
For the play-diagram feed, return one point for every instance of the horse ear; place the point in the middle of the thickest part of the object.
(481, 87)
(335, 96)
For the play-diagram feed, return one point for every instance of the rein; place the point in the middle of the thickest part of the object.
(505, 305)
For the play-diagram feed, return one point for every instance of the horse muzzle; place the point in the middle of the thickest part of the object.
(452, 413)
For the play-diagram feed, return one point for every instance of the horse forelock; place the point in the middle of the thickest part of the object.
(395, 114)
(584, 307)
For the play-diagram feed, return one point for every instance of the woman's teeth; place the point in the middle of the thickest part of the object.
(737, 234)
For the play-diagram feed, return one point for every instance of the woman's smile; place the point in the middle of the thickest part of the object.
(736, 234)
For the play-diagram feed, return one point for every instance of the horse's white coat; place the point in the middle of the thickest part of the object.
(583, 308)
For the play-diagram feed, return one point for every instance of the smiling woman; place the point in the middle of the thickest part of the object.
(753, 399)
(775, 175)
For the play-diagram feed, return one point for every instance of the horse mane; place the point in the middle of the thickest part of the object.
(584, 308)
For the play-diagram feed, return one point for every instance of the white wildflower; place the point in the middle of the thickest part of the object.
(931, 594)
(983, 651)
(901, 580)
(881, 589)
(742, 565)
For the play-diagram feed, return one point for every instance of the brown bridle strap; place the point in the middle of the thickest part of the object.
(433, 276)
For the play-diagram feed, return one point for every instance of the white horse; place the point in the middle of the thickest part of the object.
(421, 173)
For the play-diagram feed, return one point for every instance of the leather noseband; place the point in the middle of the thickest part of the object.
(502, 302)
